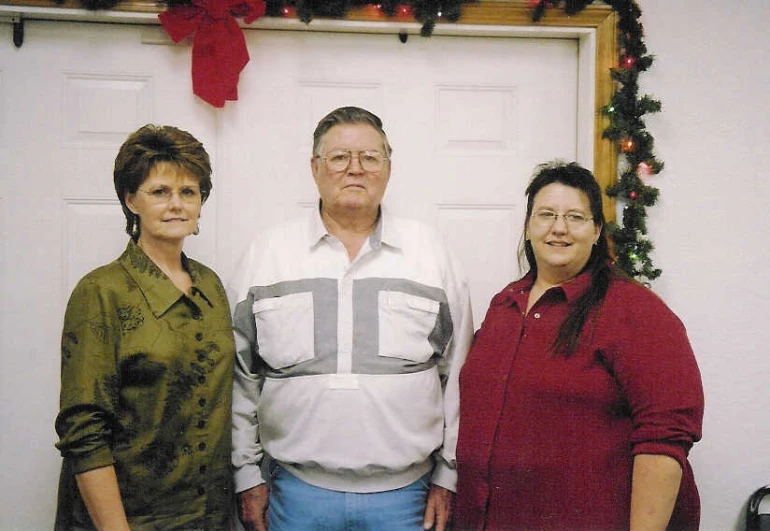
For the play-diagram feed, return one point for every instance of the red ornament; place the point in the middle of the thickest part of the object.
(627, 145)
(627, 62)
(632, 195)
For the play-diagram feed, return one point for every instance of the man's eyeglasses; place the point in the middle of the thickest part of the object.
(545, 219)
(339, 160)
(163, 194)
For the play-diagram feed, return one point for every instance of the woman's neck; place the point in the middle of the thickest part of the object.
(167, 256)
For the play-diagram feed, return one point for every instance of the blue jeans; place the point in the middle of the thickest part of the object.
(297, 506)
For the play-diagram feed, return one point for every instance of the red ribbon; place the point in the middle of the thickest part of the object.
(219, 49)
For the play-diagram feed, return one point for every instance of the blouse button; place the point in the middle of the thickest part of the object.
(199, 336)
(537, 316)
(201, 356)
(201, 424)
(202, 402)
(201, 379)
(202, 446)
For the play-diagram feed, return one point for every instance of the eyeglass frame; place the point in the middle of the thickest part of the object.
(168, 194)
(581, 219)
(350, 159)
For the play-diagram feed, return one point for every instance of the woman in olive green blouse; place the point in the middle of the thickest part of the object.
(147, 360)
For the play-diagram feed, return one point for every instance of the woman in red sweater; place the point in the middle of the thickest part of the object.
(581, 397)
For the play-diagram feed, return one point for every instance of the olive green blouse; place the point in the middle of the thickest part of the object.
(146, 374)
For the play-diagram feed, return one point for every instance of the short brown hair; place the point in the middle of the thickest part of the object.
(149, 145)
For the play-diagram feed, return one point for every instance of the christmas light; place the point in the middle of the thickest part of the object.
(627, 145)
(627, 62)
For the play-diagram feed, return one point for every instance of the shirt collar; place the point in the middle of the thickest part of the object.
(571, 290)
(156, 287)
(385, 231)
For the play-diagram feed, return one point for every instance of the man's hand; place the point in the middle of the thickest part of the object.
(438, 508)
(252, 508)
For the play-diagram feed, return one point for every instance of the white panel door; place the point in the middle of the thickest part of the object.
(468, 118)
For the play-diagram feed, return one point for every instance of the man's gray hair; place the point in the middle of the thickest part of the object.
(349, 115)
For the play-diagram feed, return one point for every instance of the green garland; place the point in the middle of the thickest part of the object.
(426, 12)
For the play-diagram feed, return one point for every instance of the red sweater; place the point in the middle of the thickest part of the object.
(547, 442)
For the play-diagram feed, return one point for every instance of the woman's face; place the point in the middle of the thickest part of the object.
(168, 203)
(562, 245)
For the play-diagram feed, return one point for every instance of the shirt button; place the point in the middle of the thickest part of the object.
(202, 446)
(537, 316)
(201, 424)
(201, 356)
(202, 402)
(199, 336)
(201, 379)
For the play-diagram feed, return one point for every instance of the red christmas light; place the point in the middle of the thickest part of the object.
(627, 62)
(627, 145)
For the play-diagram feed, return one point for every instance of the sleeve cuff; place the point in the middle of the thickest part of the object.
(97, 459)
(673, 450)
(246, 477)
(444, 476)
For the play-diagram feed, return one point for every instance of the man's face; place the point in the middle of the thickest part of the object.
(353, 189)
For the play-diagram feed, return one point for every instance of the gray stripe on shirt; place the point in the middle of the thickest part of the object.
(366, 348)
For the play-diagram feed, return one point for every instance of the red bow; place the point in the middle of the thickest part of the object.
(219, 50)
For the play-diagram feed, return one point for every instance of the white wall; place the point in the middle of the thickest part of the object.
(710, 227)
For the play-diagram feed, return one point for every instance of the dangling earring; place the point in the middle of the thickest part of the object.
(135, 227)
(197, 229)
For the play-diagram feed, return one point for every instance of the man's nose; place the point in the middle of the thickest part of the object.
(355, 164)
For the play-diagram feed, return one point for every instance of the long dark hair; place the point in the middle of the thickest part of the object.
(599, 262)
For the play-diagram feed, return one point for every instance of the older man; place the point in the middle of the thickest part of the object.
(351, 327)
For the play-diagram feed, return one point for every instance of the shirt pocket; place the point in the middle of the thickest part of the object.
(406, 322)
(285, 329)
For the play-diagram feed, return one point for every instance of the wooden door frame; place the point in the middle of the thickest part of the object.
(504, 18)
